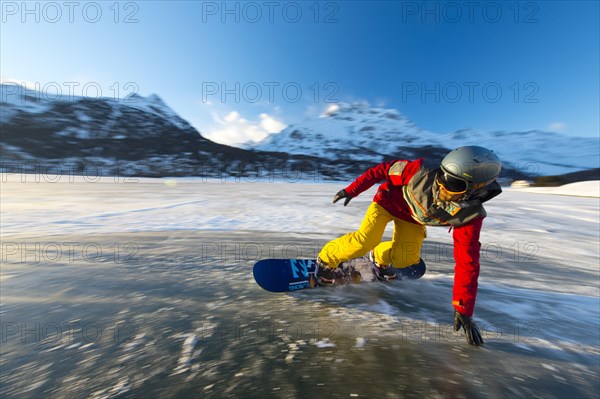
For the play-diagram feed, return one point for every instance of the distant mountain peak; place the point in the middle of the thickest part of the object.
(134, 97)
(155, 99)
(357, 131)
(338, 110)
(346, 136)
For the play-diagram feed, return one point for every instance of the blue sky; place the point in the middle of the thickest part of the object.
(238, 70)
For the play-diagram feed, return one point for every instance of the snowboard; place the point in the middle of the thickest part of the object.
(283, 275)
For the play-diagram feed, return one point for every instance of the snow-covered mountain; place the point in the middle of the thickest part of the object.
(94, 133)
(350, 131)
(139, 136)
(359, 132)
(143, 136)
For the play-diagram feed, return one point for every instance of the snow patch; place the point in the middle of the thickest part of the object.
(324, 343)
(579, 189)
(187, 353)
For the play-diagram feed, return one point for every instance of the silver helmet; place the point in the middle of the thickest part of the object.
(469, 167)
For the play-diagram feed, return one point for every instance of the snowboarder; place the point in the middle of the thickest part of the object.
(413, 197)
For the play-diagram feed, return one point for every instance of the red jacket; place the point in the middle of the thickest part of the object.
(466, 237)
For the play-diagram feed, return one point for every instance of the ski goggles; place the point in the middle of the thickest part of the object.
(452, 185)
(455, 186)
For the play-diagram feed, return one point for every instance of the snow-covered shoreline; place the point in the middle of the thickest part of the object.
(522, 224)
(579, 189)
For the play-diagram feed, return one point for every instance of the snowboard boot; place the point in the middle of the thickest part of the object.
(413, 272)
(325, 274)
(383, 272)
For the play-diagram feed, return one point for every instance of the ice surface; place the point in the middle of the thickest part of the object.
(523, 224)
(184, 316)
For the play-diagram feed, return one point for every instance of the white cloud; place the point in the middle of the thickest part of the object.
(270, 124)
(233, 129)
(557, 126)
(333, 108)
(232, 117)
(381, 102)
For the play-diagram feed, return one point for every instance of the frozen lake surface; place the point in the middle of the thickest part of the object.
(145, 289)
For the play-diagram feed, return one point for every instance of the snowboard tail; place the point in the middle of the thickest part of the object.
(284, 275)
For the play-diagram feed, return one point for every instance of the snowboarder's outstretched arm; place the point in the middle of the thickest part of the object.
(472, 333)
(466, 274)
(365, 181)
(342, 194)
(396, 173)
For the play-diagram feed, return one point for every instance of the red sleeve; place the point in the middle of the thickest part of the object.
(466, 271)
(372, 176)
(402, 171)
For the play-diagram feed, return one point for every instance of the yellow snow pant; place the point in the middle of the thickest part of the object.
(404, 249)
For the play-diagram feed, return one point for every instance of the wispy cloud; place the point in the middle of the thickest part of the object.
(234, 129)
(557, 126)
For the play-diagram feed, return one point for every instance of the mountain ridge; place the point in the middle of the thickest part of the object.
(151, 139)
(135, 136)
(359, 132)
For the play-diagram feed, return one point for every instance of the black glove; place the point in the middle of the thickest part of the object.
(342, 194)
(471, 331)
